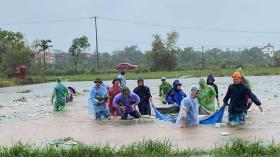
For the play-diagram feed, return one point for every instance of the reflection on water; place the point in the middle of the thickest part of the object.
(38, 123)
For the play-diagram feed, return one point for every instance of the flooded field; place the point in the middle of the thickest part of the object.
(28, 116)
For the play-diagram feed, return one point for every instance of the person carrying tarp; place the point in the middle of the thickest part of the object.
(210, 81)
(145, 97)
(59, 96)
(176, 95)
(163, 89)
(112, 92)
(188, 115)
(207, 96)
(127, 102)
(97, 101)
(237, 93)
(122, 79)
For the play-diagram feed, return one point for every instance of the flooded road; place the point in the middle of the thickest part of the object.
(34, 121)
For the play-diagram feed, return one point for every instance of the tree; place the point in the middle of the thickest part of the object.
(13, 51)
(79, 46)
(43, 45)
(130, 54)
(276, 59)
(163, 54)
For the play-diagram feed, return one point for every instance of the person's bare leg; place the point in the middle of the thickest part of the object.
(183, 124)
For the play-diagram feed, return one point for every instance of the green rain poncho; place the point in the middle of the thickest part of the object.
(207, 96)
(163, 90)
(60, 94)
(245, 80)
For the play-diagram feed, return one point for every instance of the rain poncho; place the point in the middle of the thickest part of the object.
(96, 95)
(211, 77)
(245, 80)
(113, 91)
(59, 97)
(122, 80)
(163, 91)
(128, 101)
(207, 95)
(144, 93)
(188, 109)
(175, 96)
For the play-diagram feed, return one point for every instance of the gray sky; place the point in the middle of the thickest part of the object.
(252, 15)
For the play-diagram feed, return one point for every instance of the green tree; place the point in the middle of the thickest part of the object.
(79, 46)
(43, 45)
(164, 53)
(130, 54)
(276, 59)
(13, 51)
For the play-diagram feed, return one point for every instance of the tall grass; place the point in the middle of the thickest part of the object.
(145, 148)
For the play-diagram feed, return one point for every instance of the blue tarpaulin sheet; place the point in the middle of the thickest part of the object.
(211, 119)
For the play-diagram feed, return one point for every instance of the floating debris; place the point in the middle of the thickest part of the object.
(24, 91)
(3, 115)
(21, 99)
(224, 133)
(275, 96)
(220, 125)
(68, 141)
(85, 90)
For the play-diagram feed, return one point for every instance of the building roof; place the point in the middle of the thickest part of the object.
(268, 45)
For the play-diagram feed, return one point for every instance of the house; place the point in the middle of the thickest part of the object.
(268, 49)
(39, 57)
(51, 57)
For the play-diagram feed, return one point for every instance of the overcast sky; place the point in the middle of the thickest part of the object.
(189, 17)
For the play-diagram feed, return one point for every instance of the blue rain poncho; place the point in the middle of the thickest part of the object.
(122, 80)
(94, 97)
(188, 109)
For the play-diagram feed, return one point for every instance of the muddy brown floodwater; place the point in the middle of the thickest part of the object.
(34, 121)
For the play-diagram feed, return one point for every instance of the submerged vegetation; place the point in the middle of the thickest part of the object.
(24, 91)
(21, 99)
(145, 148)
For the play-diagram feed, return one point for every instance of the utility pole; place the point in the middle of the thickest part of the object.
(202, 57)
(96, 42)
(44, 52)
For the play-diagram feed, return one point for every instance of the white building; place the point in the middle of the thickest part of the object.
(268, 49)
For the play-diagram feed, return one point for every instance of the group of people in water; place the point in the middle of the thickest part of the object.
(118, 100)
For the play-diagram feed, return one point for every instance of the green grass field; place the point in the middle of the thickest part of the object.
(249, 71)
(146, 148)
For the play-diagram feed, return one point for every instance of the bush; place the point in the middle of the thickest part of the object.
(6, 84)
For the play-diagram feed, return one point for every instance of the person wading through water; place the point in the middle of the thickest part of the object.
(210, 81)
(237, 107)
(97, 101)
(127, 102)
(112, 92)
(163, 89)
(145, 97)
(59, 96)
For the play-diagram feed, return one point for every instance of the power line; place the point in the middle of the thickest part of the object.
(45, 21)
(190, 28)
(142, 23)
